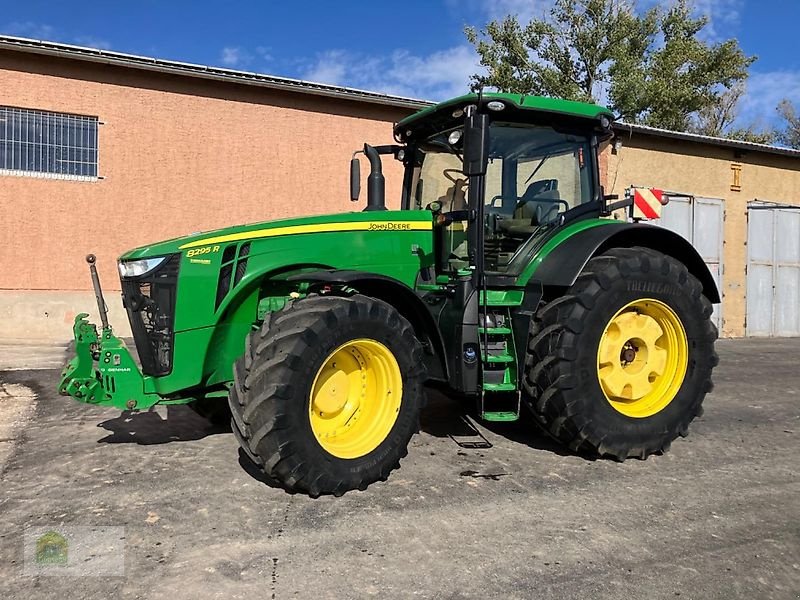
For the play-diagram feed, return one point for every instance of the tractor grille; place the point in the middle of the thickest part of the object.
(234, 266)
(150, 302)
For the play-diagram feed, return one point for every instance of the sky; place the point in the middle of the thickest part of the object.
(413, 48)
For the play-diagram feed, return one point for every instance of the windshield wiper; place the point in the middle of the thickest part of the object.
(536, 170)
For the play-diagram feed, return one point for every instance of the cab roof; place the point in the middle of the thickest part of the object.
(438, 114)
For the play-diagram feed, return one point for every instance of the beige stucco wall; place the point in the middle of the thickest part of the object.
(177, 155)
(704, 170)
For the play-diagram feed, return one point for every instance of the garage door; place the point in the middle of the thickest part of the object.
(773, 271)
(699, 220)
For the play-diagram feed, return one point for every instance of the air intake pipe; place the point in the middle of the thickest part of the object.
(376, 183)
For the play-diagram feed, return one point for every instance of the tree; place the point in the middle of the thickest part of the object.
(653, 67)
(752, 134)
(566, 56)
(717, 119)
(790, 134)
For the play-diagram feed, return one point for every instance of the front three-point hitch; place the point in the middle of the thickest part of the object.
(103, 372)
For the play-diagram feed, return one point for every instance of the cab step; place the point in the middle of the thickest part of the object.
(500, 358)
(500, 416)
(503, 407)
(495, 330)
(499, 387)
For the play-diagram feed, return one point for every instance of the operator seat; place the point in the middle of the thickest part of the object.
(532, 211)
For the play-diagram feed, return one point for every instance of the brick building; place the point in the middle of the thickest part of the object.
(140, 149)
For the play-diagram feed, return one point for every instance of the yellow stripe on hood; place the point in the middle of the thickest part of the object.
(318, 228)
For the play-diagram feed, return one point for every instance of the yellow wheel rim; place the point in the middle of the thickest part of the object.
(355, 398)
(642, 358)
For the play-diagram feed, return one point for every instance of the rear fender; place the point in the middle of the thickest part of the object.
(561, 267)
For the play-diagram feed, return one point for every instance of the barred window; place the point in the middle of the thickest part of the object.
(47, 144)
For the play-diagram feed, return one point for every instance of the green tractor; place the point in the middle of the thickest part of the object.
(502, 276)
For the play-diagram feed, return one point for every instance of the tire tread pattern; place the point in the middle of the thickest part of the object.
(265, 387)
(553, 340)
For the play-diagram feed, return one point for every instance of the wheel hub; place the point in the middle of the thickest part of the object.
(334, 390)
(642, 358)
(355, 398)
(628, 354)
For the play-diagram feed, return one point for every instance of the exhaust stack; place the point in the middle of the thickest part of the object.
(376, 183)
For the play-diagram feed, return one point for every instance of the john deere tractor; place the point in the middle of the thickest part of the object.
(503, 276)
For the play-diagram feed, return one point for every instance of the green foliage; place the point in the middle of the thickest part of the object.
(654, 67)
(717, 119)
(751, 134)
(566, 55)
(790, 134)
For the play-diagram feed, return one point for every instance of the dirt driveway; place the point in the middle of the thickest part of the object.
(717, 517)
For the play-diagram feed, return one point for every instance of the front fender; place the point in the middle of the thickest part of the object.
(401, 297)
(561, 267)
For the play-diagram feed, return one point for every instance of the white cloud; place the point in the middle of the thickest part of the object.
(265, 52)
(764, 91)
(724, 17)
(43, 31)
(488, 10)
(524, 10)
(234, 56)
(331, 67)
(92, 42)
(29, 29)
(434, 76)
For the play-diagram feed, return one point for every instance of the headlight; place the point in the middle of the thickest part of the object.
(135, 268)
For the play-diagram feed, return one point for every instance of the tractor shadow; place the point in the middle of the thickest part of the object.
(256, 473)
(445, 416)
(450, 416)
(147, 428)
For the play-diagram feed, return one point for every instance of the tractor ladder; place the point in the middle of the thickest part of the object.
(500, 394)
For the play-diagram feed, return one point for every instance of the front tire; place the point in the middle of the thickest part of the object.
(620, 364)
(328, 393)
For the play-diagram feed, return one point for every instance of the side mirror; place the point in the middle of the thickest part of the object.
(355, 179)
(476, 144)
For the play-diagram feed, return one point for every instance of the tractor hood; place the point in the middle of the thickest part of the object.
(390, 220)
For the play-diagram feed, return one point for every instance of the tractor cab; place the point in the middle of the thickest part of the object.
(501, 174)
(540, 172)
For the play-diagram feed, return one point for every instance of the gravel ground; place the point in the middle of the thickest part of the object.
(716, 517)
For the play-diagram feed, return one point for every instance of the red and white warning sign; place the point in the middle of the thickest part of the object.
(647, 202)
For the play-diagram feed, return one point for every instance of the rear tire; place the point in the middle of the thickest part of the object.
(566, 389)
(275, 385)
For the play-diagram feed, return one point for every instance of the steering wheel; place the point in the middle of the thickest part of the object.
(452, 175)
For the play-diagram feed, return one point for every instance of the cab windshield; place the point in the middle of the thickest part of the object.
(535, 174)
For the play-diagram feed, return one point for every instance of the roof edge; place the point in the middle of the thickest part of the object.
(146, 63)
(621, 126)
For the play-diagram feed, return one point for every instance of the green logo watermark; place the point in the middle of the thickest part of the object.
(51, 549)
(74, 551)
